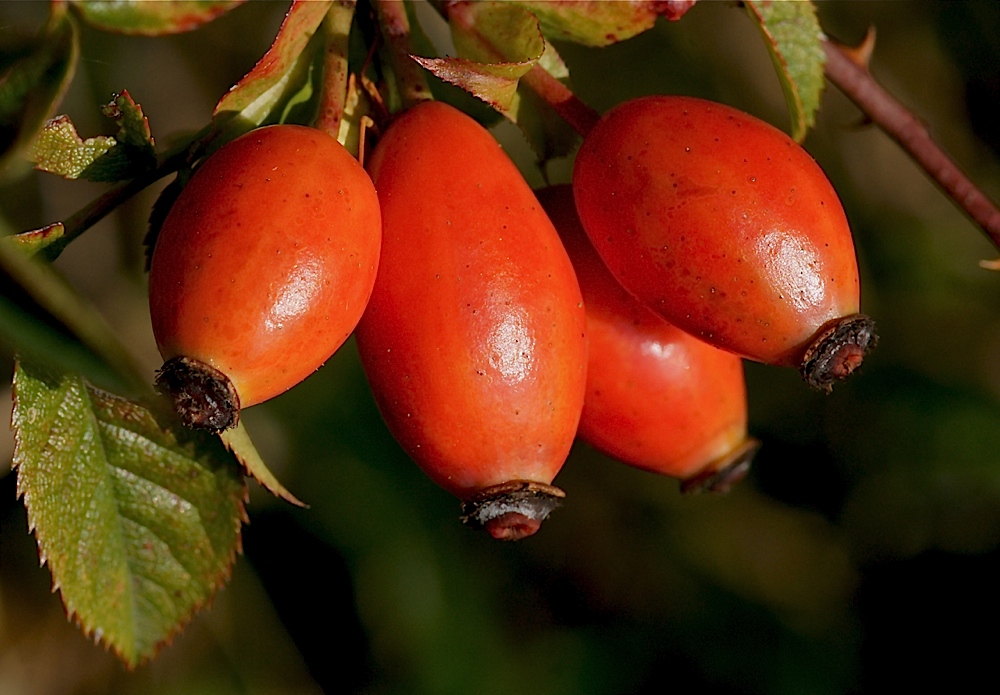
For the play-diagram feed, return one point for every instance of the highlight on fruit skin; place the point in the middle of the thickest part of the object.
(261, 270)
(724, 226)
(474, 341)
(658, 398)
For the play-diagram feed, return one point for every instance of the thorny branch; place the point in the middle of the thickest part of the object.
(847, 68)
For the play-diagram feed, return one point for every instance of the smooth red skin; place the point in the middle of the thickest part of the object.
(657, 398)
(266, 260)
(719, 222)
(474, 339)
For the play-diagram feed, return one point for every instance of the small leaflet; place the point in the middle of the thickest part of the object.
(794, 41)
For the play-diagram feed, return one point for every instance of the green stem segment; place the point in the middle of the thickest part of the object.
(410, 78)
(333, 95)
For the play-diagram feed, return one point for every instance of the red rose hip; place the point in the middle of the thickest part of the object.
(474, 339)
(657, 398)
(261, 270)
(727, 228)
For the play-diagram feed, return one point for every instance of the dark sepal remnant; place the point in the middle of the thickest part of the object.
(203, 396)
(511, 511)
(839, 349)
(725, 471)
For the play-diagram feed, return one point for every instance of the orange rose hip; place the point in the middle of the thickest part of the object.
(657, 398)
(726, 227)
(474, 339)
(261, 270)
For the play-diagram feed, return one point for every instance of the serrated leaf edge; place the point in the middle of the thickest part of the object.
(94, 633)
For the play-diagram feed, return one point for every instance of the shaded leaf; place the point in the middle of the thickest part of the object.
(507, 43)
(795, 42)
(34, 76)
(133, 126)
(601, 23)
(497, 44)
(263, 93)
(547, 132)
(71, 334)
(27, 329)
(356, 116)
(138, 518)
(60, 150)
(238, 441)
(158, 214)
(151, 18)
(495, 83)
(34, 240)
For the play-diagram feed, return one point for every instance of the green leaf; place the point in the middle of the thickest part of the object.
(795, 42)
(489, 32)
(495, 83)
(133, 126)
(34, 76)
(238, 441)
(60, 150)
(497, 44)
(600, 23)
(278, 77)
(138, 518)
(151, 18)
(35, 240)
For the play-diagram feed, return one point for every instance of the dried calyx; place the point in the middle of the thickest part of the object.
(511, 511)
(203, 396)
(839, 349)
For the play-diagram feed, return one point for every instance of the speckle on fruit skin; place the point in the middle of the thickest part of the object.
(671, 233)
(482, 307)
(244, 266)
(657, 398)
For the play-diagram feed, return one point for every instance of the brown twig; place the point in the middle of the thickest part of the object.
(847, 68)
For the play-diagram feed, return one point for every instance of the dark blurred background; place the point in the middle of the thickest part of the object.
(861, 555)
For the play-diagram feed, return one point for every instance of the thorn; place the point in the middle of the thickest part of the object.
(861, 54)
(990, 265)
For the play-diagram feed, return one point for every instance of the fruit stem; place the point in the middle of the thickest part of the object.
(854, 79)
(333, 94)
(725, 471)
(513, 510)
(580, 117)
(838, 349)
(395, 26)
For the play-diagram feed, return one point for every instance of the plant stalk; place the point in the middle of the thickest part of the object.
(395, 26)
(853, 78)
(336, 29)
